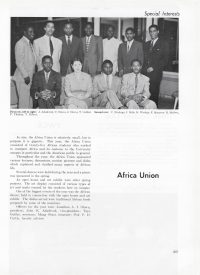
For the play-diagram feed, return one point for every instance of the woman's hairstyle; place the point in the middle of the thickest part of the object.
(76, 59)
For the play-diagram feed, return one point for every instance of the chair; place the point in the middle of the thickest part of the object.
(176, 98)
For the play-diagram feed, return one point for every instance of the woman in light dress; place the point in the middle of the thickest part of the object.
(78, 88)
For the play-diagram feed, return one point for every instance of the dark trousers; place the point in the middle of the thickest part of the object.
(155, 80)
(154, 90)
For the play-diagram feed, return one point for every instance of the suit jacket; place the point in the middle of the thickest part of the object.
(99, 85)
(157, 58)
(42, 47)
(39, 84)
(94, 57)
(128, 85)
(125, 57)
(25, 60)
(69, 52)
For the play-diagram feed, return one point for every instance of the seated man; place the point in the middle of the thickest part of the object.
(135, 89)
(106, 86)
(46, 86)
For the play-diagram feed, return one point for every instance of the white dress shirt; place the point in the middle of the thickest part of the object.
(129, 44)
(88, 38)
(68, 37)
(110, 78)
(154, 41)
(110, 51)
(47, 75)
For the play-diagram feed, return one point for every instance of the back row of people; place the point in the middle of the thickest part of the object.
(92, 50)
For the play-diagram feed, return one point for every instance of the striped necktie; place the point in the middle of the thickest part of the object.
(87, 43)
(136, 82)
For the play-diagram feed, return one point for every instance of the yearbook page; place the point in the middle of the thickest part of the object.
(100, 138)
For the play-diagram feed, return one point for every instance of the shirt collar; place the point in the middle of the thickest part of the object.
(47, 73)
(154, 41)
(26, 39)
(70, 37)
(136, 74)
(130, 42)
(110, 38)
(48, 37)
(105, 75)
(88, 37)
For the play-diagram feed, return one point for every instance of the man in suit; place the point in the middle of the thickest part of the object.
(106, 88)
(25, 61)
(110, 48)
(93, 52)
(46, 85)
(48, 45)
(135, 88)
(156, 54)
(72, 48)
(128, 51)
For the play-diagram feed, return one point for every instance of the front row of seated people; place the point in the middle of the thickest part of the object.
(80, 92)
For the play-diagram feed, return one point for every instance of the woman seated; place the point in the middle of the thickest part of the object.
(78, 88)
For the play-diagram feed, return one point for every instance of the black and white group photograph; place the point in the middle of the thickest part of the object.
(94, 63)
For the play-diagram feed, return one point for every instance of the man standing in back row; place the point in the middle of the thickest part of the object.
(110, 48)
(93, 51)
(128, 51)
(156, 54)
(25, 61)
(48, 45)
(72, 48)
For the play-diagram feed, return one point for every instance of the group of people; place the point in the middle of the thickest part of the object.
(89, 72)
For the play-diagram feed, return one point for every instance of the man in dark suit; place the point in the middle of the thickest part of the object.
(72, 48)
(156, 54)
(93, 51)
(46, 86)
(128, 51)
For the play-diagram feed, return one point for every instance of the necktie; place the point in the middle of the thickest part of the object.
(151, 46)
(30, 44)
(107, 82)
(51, 46)
(68, 41)
(136, 82)
(46, 77)
(128, 47)
(87, 43)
